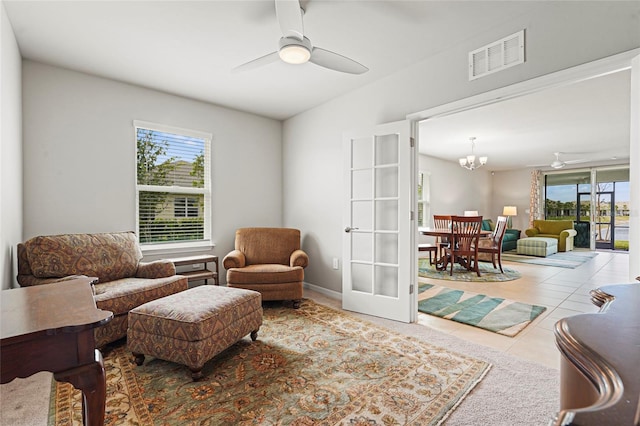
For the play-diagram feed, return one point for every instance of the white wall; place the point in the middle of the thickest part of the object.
(10, 150)
(454, 189)
(79, 155)
(512, 188)
(559, 35)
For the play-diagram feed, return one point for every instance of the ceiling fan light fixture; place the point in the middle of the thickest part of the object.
(294, 54)
(294, 51)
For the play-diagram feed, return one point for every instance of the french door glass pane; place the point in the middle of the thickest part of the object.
(387, 215)
(361, 215)
(361, 247)
(361, 153)
(361, 278)
(386, 281)
(361, 184)
(386, 150)
(387, 248)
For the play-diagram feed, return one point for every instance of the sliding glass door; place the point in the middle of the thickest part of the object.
(598, 203)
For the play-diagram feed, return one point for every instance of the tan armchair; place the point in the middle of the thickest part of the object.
(268, 260)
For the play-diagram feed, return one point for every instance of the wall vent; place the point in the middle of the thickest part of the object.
(497, 56)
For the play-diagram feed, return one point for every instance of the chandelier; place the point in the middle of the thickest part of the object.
(469, 162)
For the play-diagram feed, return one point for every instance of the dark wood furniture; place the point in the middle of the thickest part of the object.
(442, 241)
(50, 328)
(431, 249)
(203, 273)
(465, 234)
(599, 380)
(446, 233)
(494, 246)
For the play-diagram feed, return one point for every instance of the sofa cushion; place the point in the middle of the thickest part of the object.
(265, 274)
(120, 296)
(487, 225)
(108, 256)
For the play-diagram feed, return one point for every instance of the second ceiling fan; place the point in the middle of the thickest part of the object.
(295, 48)
(557, 164)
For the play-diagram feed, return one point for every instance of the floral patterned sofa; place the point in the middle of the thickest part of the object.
(124, 282)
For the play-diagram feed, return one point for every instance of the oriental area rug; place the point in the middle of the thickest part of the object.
(310, 366)
(495, 314)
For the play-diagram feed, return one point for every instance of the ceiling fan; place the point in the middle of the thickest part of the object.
(557, 164)
(295, 48)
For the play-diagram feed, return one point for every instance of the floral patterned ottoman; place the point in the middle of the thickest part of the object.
(193, 326)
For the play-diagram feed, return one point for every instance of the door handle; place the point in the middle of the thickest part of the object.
(349, 229)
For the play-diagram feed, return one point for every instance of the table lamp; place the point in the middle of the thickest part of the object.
(509, 211)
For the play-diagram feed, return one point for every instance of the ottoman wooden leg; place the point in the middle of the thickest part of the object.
(138, 358)
(296, 304)
(196, 374)
(254, 335)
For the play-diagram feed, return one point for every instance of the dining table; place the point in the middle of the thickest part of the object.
(445, 233)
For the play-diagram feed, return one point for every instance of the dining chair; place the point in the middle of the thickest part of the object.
(464, 245)
(441, 222)
(493, 245)
(431, 249)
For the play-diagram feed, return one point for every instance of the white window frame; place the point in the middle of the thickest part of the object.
(181, 246)
(425, 201)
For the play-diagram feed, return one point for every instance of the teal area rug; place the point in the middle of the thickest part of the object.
(494, 314)
(487, 272)
(569, 259)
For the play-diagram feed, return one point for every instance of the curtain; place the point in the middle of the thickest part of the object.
(535, 197)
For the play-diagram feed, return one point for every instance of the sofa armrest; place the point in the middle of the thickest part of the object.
(514, 232)
(532, 232)
(235, 259)
(568, 233)
(157, 269)
(299, 258)
(30, 280)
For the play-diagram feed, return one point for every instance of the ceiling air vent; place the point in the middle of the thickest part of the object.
(497, 56)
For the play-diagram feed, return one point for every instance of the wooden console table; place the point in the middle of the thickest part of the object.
(198, 274)
(599, 379)
(50, 328)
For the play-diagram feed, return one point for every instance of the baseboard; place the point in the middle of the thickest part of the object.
(325, 291)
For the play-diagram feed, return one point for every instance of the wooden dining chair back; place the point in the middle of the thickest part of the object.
(494, 245)
(442, 222)
(464, 247)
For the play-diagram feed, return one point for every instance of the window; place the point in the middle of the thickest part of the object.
(423, 199)
(185, 207)
(596, 200)
(173, 184)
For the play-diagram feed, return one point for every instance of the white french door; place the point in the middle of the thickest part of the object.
(378, 258)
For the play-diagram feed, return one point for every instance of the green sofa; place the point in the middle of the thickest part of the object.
(511, 236)
(561, 230)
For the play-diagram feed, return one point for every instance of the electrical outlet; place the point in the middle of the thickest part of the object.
(336, 264)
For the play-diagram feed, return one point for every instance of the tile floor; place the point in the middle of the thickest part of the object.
(563, 291)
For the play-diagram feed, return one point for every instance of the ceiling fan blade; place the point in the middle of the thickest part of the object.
(576, 161)
(259, 62)
(289, 16)
(334, 61)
